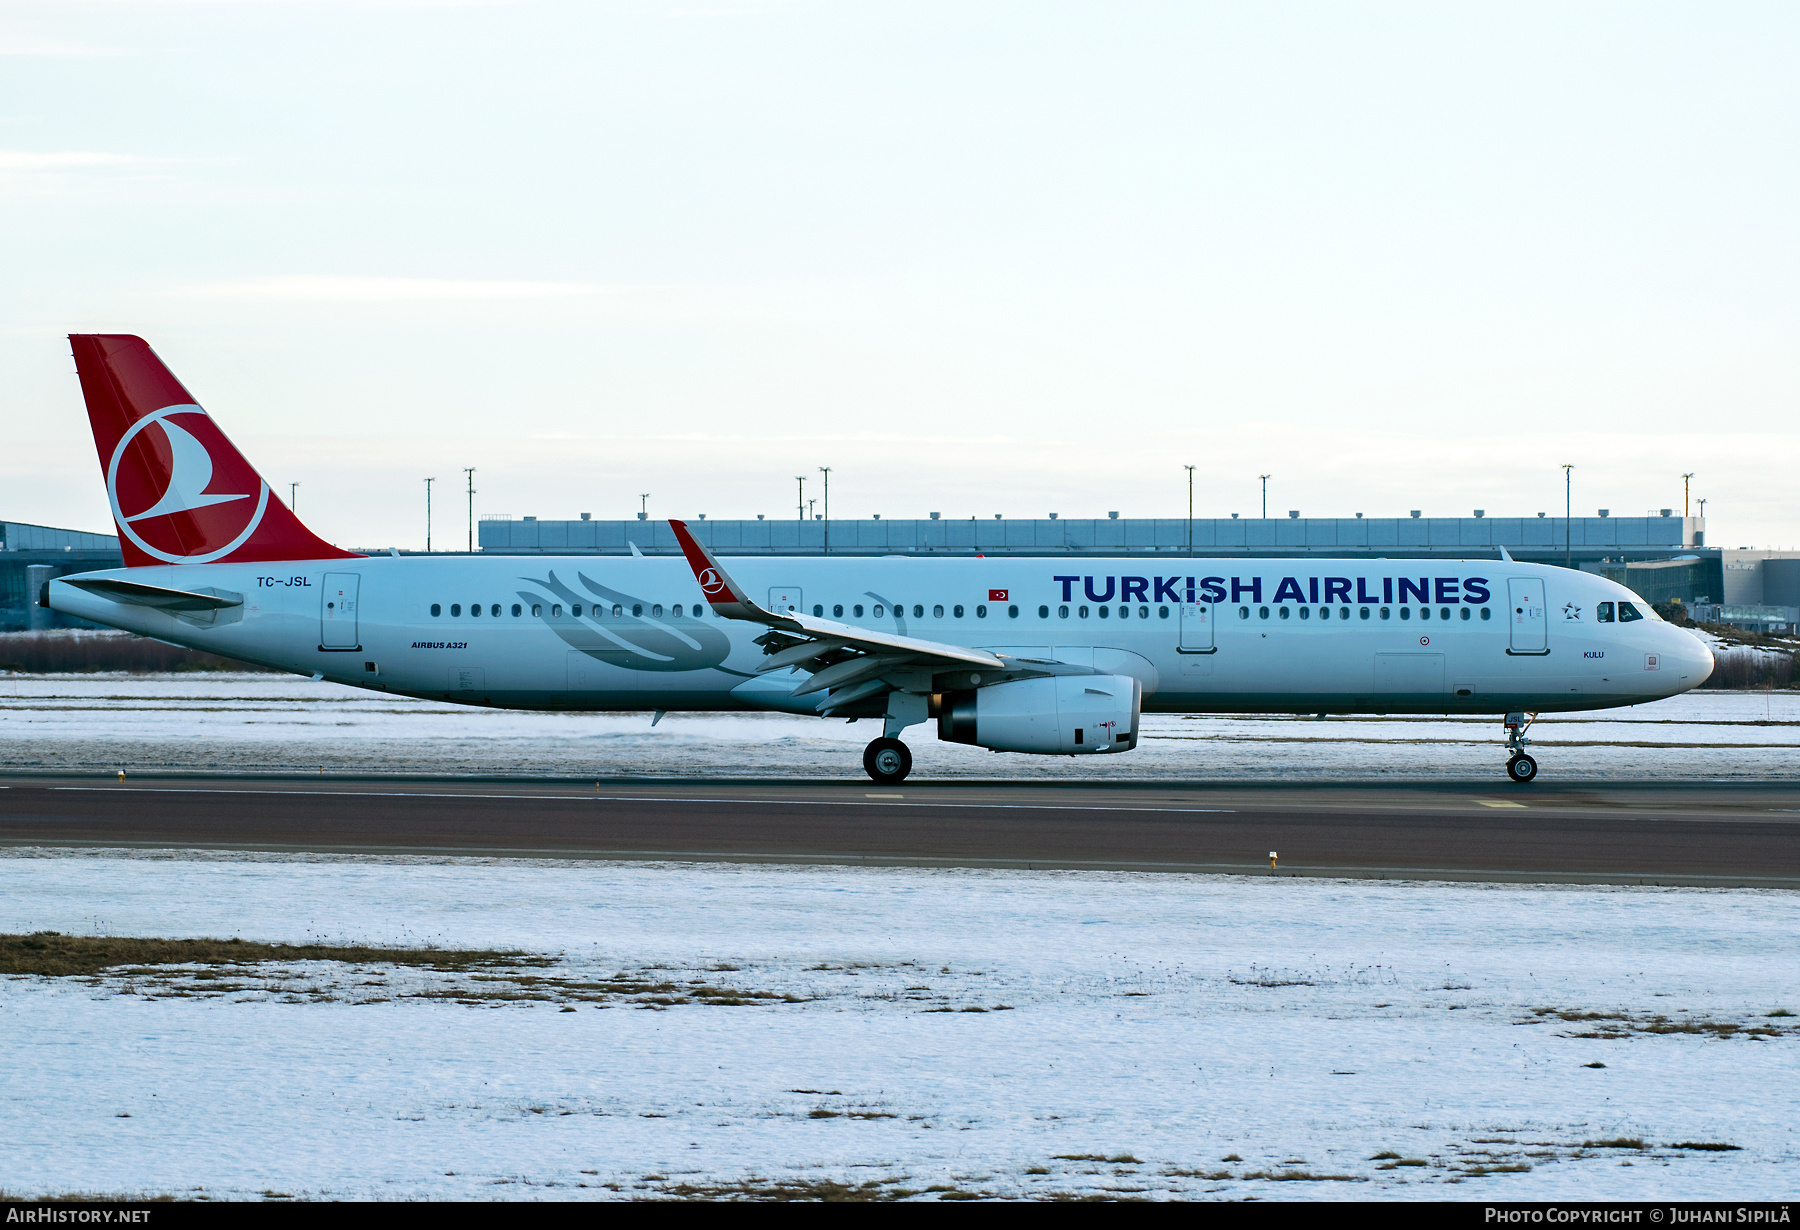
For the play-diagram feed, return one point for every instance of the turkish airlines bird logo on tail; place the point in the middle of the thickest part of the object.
(181, 493)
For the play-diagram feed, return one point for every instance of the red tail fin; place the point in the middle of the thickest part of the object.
(180, 492)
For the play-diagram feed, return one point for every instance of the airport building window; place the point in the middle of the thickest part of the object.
(656, 611)
(857, 610)
(937, 612)
(837, 611)
(957, 611)
(1012, 612)
(436, 610)
(1062, 612)
(455, 609)
(1384, 612)
(1262, 612)
(1603, 612)
(1486, 614)
(1627, 613)
(1043, 612)
(981, 612)
(517, 610)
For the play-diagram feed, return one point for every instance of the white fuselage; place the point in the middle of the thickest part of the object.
(604, 632)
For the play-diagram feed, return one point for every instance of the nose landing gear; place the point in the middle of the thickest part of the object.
(1520, 767)
(887, 761)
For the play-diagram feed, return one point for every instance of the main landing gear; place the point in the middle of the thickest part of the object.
(887, 761)
(1520, 767)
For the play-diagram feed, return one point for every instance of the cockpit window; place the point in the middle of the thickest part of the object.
(1627, 613)
(1603, 612)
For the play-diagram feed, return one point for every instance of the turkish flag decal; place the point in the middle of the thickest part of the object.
(997, 595)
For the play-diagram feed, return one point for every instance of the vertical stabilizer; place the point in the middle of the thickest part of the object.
(181, 493)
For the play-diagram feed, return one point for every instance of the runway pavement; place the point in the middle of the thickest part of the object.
(1706, 834)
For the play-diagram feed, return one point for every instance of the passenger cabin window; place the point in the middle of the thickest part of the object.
(1486, 613)
(1103, 612)
(957, 611)
(656, 611)
(1062, 612)
(556, 610)
(857, 610)
(817, 610)
(1162, 612)
(918, 611)
(517, 610)
(1262, 612)
(1405, 612)
(1043, 612)
(937, 612)
(1627, 613)
(637, 610)
(1081, 612)
(981, 612)
(837, 612)
(436, 610)
(1344, 613)
(1012, 612)
(537, 610)
(1443, 612)
(455, 609)
(1603, 613)
(877, 611)
(1363, 613)
(474, 610)
(1384, 612)
(1305, 612)
(618, 611)
(1465, 613)
(1243, 612)
(1286, 613)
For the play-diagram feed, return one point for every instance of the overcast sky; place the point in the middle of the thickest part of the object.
(979, 258)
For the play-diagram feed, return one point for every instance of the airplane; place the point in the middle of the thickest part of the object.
(1034, 656)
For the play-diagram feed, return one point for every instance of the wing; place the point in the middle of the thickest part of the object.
(847, 663)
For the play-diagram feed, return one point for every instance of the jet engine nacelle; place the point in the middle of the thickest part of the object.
(1065, 715)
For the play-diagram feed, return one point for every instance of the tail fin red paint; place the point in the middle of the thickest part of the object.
(181, 493)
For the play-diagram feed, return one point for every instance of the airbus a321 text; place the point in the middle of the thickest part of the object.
(1050, 657)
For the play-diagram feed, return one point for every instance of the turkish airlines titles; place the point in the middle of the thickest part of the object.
(1439, 590)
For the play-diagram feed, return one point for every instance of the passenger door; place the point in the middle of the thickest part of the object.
(1525, 613)
(337, 611)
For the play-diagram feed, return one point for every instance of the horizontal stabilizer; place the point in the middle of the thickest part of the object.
(156, 596)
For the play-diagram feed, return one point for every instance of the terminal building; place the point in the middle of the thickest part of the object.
(1662, 557)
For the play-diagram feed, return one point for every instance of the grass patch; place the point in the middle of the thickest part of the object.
(52, 954)
(1302, 1176)
(1509, 1168)
(1706, 1146)
(1617, 1142)
(827, 1191)
(1402, 1161)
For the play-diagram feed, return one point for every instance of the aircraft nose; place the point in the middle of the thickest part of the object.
(1693, 658)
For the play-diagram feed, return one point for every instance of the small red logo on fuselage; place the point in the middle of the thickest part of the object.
(997, 595)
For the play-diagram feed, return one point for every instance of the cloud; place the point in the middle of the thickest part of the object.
(36, 160)
(328, 288)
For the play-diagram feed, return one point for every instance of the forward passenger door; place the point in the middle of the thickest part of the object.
(1526, 617)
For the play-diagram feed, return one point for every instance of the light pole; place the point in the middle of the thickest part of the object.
(1265, 483)
(826, 471)
(643, 506)
(1190, 470)
(469, 472)
(428, 483)
(294, 498)
(800, 511)
(1568, 514)
(1686, 499)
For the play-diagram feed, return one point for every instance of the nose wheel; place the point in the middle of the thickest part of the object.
(1521, 768)
(887, 761)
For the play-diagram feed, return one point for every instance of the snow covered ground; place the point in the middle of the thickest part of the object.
(1002, 1032)
(274, 723)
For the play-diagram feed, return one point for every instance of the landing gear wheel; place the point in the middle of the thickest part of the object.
(1521, 768)
(887, 761)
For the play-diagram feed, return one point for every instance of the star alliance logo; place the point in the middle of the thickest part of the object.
(1571, 613)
